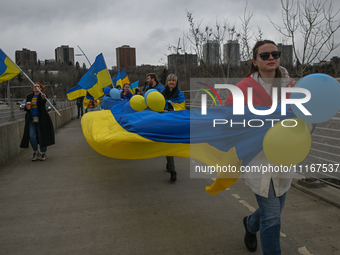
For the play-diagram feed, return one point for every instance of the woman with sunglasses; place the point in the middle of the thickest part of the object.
(38, 124)
(270, 188)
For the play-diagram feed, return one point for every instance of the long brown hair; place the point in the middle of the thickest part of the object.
(253, 68)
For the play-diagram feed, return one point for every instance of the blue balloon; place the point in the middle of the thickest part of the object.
(147, 93)
(114, 93)
(107, 90)
(325, 98)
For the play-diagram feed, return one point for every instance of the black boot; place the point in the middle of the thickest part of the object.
(250, 239)
(173, 176)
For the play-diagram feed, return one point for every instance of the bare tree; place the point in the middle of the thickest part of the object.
(245, 34)
(199, 35)
(311, 26)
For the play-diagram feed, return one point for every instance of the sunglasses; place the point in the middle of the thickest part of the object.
(266, 55)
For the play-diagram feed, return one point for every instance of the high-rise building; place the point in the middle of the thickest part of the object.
(286, 58)
(126, 56)
(26, 57)
(231, 53)
(64, 54)
(182, 59)
(211, 53)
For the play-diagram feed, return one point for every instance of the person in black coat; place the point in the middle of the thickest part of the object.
(38, 124)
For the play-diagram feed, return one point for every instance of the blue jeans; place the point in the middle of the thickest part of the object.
(34, 135)
(267, 220)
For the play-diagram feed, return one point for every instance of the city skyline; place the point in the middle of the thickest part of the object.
(102, 26)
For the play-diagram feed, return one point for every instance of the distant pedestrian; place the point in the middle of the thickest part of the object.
(80, 106)
(38, 124)
(137, 91)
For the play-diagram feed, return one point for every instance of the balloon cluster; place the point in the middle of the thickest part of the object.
(290, 145)
(152, 99)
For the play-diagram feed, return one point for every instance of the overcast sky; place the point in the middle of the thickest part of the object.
(100, 26)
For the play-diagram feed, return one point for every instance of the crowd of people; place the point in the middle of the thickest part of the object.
(270, 190)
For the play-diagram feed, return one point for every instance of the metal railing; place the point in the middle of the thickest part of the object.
(8, 113)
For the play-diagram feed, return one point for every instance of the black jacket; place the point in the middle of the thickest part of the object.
(45, 124)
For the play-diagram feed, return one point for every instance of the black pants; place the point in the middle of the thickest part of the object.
(170, 163)
(80, 110)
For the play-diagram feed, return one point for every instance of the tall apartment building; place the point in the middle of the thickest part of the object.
(181, 59)
(231, 53)
(286, 58)
(26, 57)
(125, 56)
(211, 53)
(64, 54)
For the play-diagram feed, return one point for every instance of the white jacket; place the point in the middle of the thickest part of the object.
(257, 181)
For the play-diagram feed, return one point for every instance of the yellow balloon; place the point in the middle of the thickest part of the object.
(98, 102)
(137, 103)
(287, 143)
(156, 101)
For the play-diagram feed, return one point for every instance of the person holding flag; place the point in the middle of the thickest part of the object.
(38, 124)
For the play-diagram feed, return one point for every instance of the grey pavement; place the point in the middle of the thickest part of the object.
(80, 202)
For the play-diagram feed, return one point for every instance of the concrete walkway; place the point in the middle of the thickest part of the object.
(80, 202)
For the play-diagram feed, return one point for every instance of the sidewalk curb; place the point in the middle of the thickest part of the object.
(316, 193)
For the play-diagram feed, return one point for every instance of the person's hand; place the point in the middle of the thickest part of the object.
(43, 96)
(165, 111)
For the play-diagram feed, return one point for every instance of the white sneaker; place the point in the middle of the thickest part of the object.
(43, 157)
(36, 156)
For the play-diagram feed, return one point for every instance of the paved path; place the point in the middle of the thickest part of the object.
(80, 202)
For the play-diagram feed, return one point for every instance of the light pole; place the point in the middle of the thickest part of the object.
(83, 54)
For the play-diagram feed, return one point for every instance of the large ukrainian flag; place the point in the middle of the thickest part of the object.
(122, 134)
(96, 78)
(8, 69)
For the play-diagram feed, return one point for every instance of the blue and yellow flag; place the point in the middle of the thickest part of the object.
(8, 69)
(124, 77)
(114, 80)
(75, 92)
(119, 80)
(127, 134)
(96, 78)
(133, 86)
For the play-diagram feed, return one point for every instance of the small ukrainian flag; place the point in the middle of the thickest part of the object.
(8, 69)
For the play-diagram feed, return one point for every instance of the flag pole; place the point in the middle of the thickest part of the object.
(85, 55)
